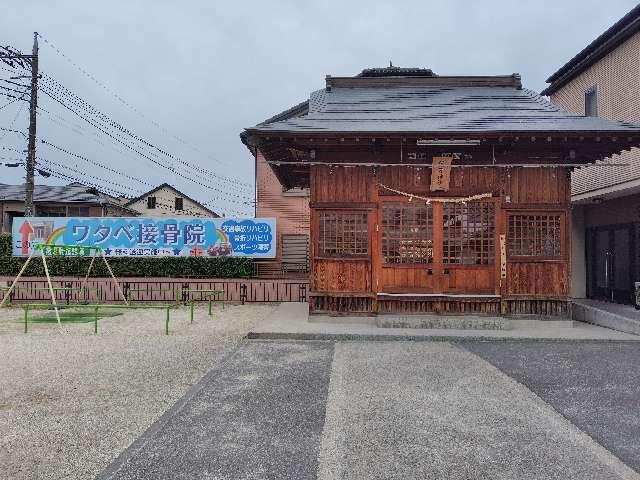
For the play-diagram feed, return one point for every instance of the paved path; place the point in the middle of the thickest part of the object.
(366, 410)
(418, 410)
(259, 415)
(596, 386)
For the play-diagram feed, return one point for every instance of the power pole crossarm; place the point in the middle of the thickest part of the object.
(31, 148)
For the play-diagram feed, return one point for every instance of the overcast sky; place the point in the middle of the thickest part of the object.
(198, 72)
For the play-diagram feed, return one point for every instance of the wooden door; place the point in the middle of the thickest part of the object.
(469, 247)
(436, 248)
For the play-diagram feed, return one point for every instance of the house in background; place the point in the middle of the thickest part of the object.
(73, 200)
(165, 200)
(604, 80)
(290, 208)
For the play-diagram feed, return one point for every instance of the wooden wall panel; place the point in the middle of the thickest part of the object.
(342, 184)
(527, 189)
(341, 276)
(464, 181)
(403, 280)
(537, 279)
(470, 280)
(538, 185)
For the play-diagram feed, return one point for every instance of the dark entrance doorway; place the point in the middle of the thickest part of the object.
(611, 265)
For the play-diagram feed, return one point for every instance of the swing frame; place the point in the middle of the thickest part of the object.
(43, 249)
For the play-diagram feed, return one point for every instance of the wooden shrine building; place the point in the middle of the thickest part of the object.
(436, 193)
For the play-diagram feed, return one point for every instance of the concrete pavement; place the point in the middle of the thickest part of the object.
(290, 321)
(375, 410)
(258, 415)
(432, 410)
(596, 386)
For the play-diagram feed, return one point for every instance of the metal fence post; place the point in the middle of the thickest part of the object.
(125, 290)
(243, 293)
(67, 292)
(12, 295)
(95, 321)
(26, 318)
(302, 292)
(185, 293)
(166, 323)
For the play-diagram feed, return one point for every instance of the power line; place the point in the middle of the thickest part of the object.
(13, 121)
(134, 149)
(15, 99)
(63, 176)
(122, 100)
(131, 147)
(78, 101)
(101, 117)
(94, 162)
(55, 85)
(84, 174)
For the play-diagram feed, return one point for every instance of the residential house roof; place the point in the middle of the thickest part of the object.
(71, 193)
(171, 187)
(610, 39)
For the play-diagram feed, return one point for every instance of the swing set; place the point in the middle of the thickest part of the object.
(63, 250)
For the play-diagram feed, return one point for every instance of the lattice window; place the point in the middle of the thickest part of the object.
(468, 233)
(535, 235)
(343, 234)
(407, 232)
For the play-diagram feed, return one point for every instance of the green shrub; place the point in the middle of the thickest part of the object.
(221, 267)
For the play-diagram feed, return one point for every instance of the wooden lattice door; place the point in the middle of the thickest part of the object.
(437, 248)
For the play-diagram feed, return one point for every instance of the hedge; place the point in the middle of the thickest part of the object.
(221, 267)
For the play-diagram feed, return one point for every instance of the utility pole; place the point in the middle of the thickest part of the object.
(31, 148)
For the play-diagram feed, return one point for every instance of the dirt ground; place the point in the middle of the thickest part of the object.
(71, 401)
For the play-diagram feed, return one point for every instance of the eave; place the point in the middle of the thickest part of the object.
(292, 155)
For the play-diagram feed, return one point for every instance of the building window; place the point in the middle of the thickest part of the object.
(407, 233)
(151, 202)
(78, 212)
(342, 234)
(468, 233)
(591, 102)
(535, 235)
(179, 203)
(51, 211)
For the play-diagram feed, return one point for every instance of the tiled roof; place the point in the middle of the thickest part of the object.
(592, 178)
(610, 39)
(72, 193)
(432, 108)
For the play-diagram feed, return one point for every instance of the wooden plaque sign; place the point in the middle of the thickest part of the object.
(503, 256)
(441, 174)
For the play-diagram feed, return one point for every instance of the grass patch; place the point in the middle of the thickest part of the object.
(77, 317)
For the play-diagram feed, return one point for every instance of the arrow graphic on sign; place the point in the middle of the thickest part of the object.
(25, 231)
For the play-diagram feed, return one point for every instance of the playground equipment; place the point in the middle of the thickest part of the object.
(94, 309)
(62, 250)
(96, 312)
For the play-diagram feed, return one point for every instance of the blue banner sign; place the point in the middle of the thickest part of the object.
(147, 237)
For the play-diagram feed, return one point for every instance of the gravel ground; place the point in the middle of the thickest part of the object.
(71, 401)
